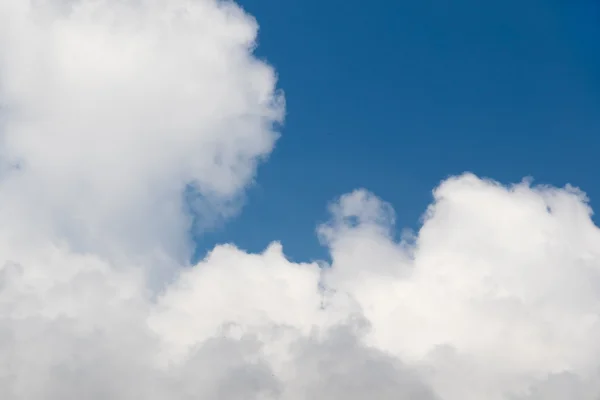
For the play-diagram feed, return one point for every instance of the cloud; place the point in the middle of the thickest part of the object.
(111, 110)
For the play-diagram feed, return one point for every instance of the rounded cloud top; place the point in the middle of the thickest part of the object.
(110, 108)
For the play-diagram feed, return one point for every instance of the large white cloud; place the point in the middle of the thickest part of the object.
(110, 109)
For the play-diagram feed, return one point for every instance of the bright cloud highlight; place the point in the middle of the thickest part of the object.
(112, 109)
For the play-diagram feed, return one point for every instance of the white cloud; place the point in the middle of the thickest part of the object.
(110, 108)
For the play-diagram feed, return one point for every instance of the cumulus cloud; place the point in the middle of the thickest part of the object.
(112, 110)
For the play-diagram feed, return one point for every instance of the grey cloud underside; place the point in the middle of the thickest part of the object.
(61, 362)
(111, 109)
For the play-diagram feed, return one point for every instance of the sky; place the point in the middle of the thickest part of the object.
(204, 199)
(398, 95)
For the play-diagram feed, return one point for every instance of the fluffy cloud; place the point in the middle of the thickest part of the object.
(111, 110)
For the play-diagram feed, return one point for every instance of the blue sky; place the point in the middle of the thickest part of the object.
(397, 95)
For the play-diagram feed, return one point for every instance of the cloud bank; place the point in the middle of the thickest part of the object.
(111, 109)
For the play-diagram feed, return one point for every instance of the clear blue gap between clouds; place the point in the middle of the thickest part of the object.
(398, 95)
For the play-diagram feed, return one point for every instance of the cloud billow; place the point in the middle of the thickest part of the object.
(111, 109)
